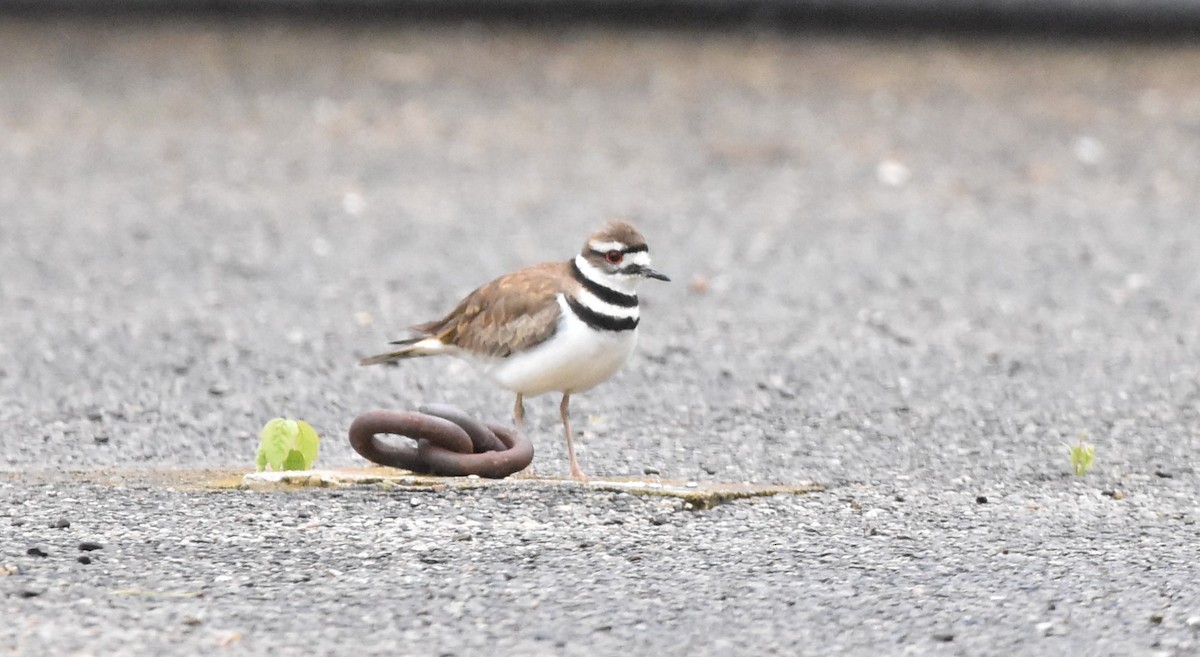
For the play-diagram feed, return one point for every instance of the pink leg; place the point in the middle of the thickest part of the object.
(564, 408)
(519, 421)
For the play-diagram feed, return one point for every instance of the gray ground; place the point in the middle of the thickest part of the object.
(930, 264)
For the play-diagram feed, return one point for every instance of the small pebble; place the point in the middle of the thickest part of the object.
(27, 593)
(944, 637)
(982, 499)
(658, 520)
(1163, 474)
(892, 173)
(100, 439)
(61, 523)
(37, 552)
(650, 470)
(84, 559)
(17, 522)
(1088, 149)
(89, 546)
(1156, 619)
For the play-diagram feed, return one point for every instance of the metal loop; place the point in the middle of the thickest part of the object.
(448, 442)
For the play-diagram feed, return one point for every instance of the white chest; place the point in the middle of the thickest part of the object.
(576, 359)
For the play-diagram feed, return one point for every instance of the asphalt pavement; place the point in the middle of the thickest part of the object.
(912, 269)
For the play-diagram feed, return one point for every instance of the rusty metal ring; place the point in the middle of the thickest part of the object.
(448, 442)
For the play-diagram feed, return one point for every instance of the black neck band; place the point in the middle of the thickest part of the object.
(605, 294)
(600, 321)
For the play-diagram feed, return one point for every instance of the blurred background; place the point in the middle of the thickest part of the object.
(1154, 18)
(909, 239)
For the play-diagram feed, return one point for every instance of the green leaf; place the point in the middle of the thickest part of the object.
(308, 443)
(276, 439)
(294, 461)
(1082, 456)
(260, 461)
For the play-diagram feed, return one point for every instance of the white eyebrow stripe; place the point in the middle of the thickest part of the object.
(606, 246)
(638, 258)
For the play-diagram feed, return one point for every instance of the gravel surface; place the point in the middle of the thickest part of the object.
(908, 269)
(1036, 570)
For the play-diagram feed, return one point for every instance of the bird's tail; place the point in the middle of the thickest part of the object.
(411, 348)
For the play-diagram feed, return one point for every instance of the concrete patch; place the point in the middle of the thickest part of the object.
(701, 495)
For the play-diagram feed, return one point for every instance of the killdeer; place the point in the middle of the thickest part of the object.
(555, 327)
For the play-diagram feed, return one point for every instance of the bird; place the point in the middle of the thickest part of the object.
(564, 326)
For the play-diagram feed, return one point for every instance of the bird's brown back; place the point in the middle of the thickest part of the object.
(514, 312)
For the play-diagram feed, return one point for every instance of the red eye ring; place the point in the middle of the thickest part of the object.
(614, 257)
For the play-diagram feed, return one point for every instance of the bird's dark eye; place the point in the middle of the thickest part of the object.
(615, 257)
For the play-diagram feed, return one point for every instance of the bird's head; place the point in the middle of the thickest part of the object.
(620, 254)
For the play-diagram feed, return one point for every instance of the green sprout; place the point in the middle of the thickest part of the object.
(287, 445)
(1082, 455)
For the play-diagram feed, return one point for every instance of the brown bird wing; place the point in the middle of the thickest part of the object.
(513, 312)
